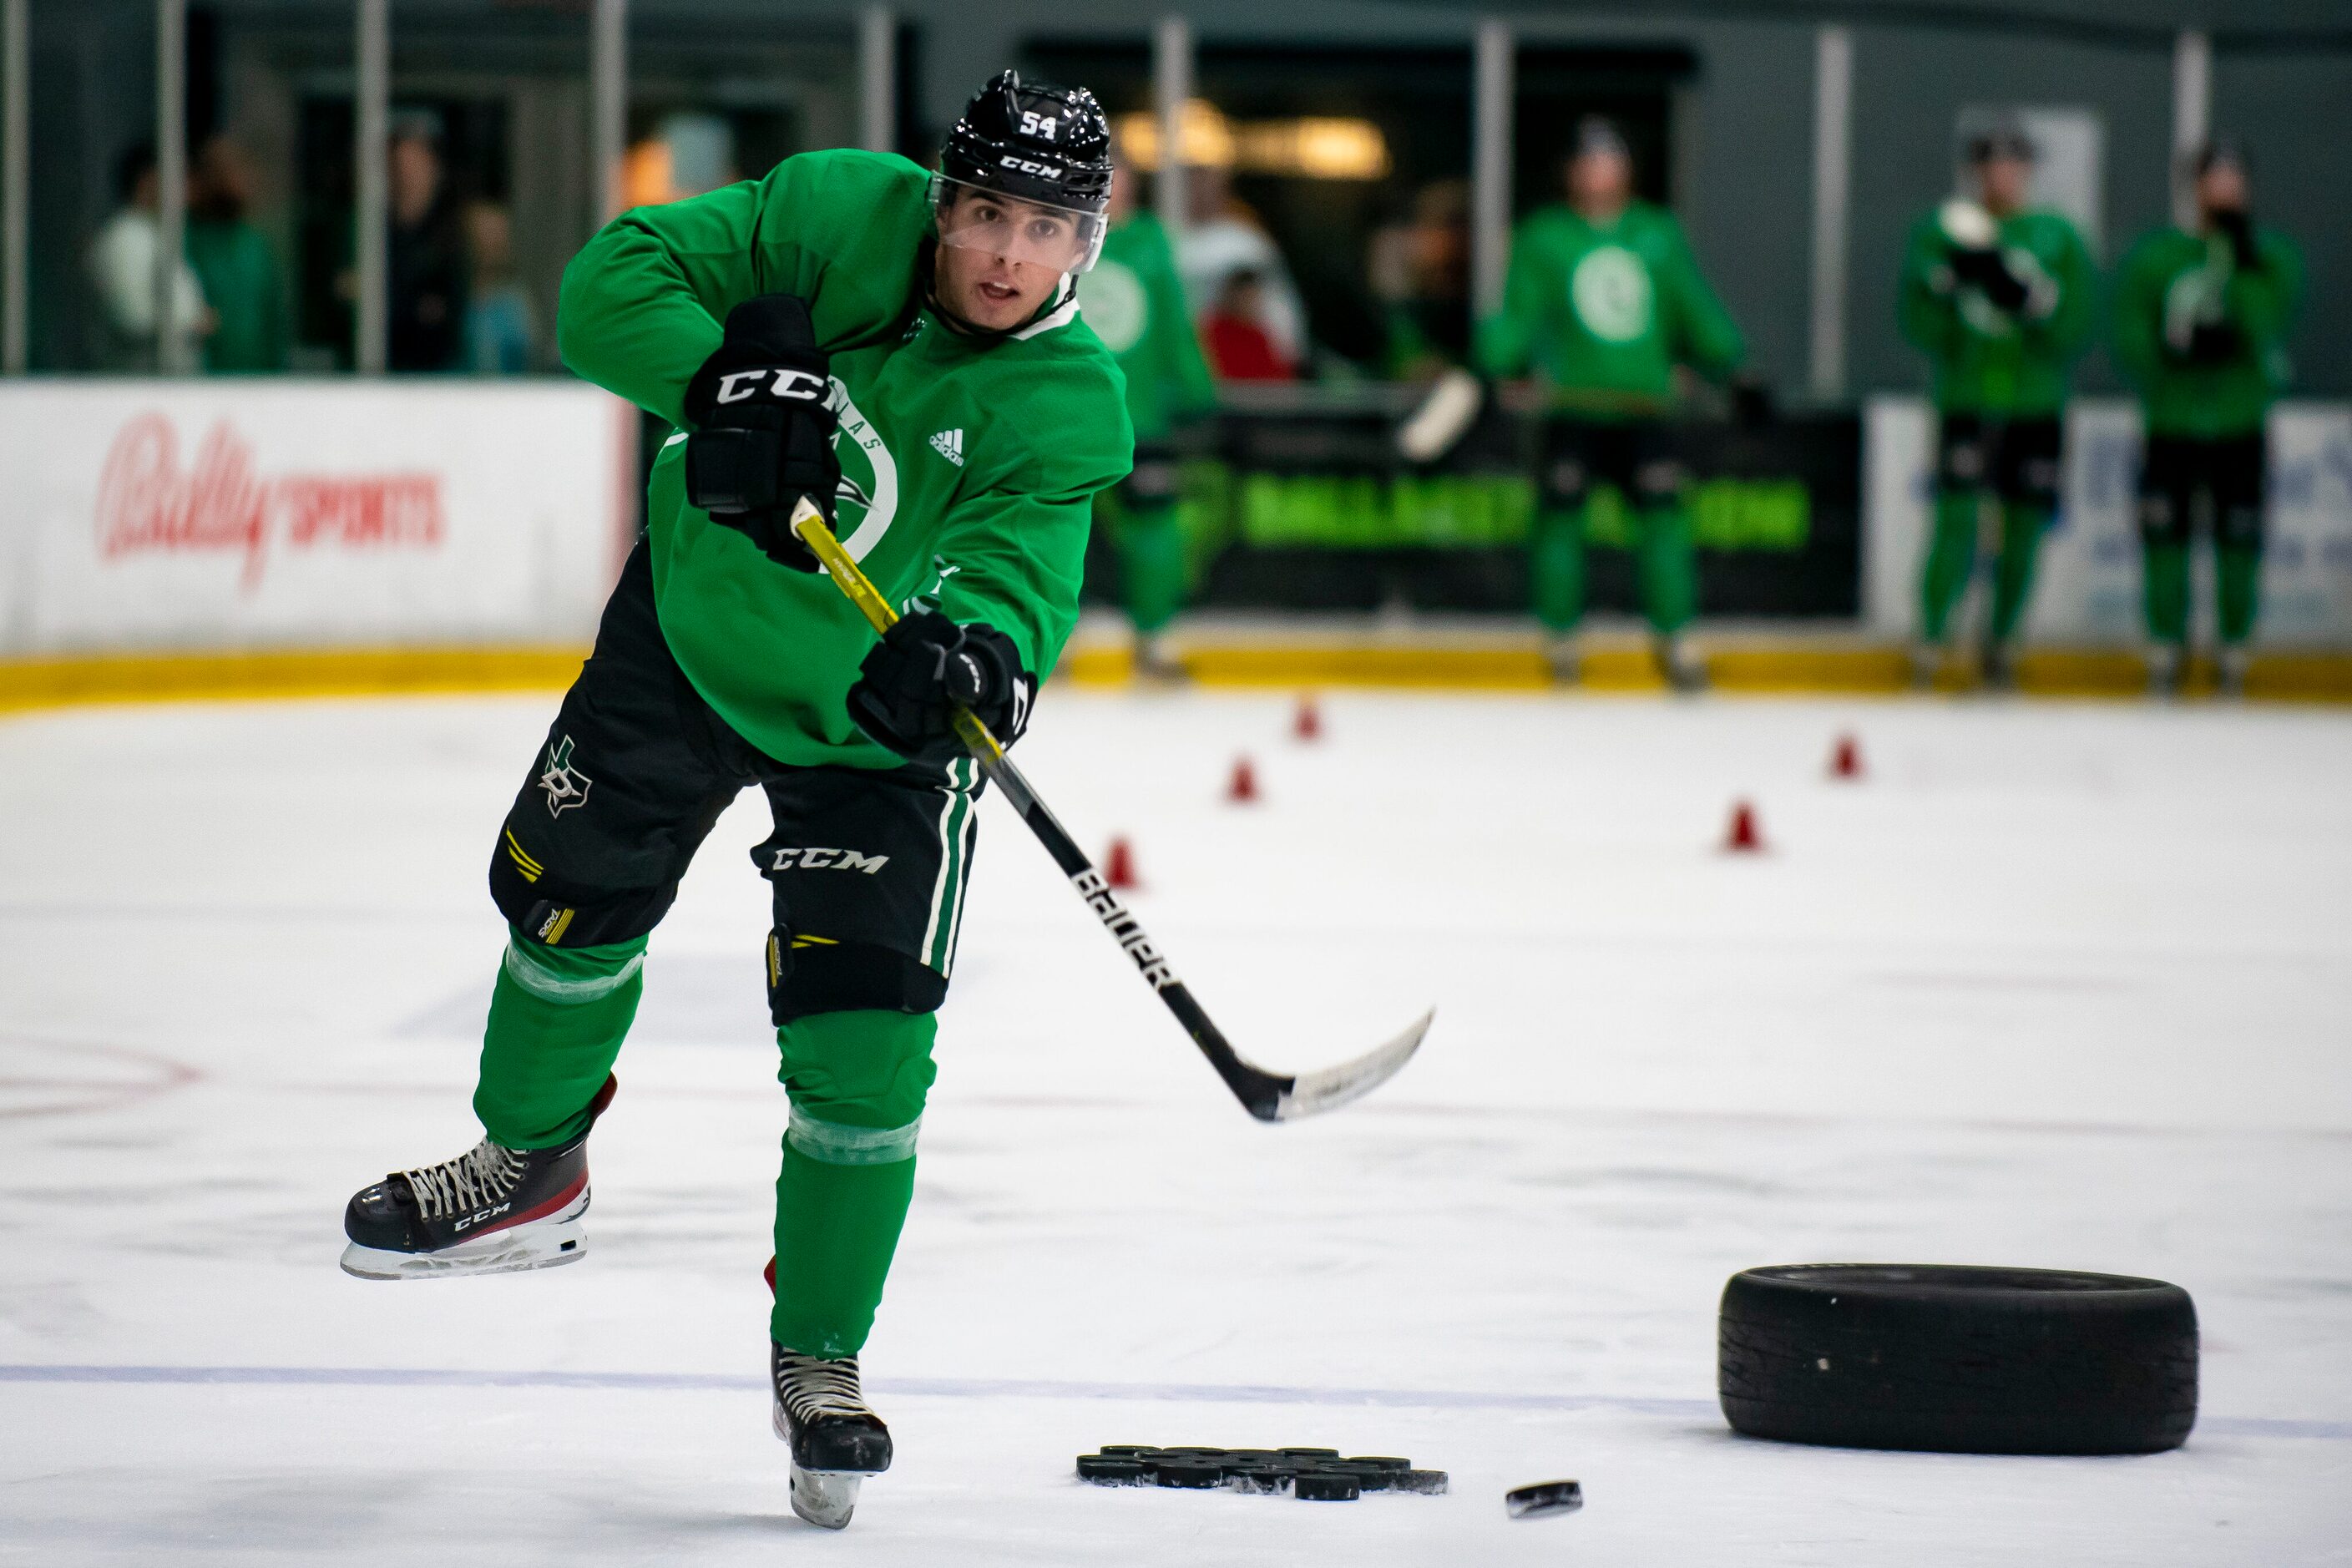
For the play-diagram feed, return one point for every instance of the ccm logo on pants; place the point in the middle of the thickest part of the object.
(822, 859)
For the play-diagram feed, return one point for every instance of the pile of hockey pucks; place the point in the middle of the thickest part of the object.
(1313, 1474)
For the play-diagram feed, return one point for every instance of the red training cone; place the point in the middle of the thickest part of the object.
(1243, 787)
(1118, 868)
(1744, 837)
(1846, 759)
(1309, 724)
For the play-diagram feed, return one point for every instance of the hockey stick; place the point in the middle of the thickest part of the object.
(1269, 1097)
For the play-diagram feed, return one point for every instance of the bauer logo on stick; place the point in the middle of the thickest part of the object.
(1125, 927)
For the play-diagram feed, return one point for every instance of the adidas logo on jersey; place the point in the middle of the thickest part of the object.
(949, 444)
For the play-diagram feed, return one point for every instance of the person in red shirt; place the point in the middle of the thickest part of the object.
(1240, 348)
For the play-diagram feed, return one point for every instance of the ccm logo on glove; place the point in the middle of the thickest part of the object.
(742, 385)
(763, 436)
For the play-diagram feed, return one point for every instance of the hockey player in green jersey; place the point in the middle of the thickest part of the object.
(2202, 317)
(1135, 303)
(1603, 300)
(904, 350)
(2001, 297)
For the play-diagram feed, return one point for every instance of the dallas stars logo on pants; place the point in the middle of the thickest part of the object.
(566, 785)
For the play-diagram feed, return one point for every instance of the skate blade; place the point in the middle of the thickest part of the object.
(544, 1245)
(826, 1498)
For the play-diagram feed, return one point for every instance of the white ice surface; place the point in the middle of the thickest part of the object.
(2055, 985)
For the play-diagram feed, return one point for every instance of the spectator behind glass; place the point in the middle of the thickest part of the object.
(425, 275)
(235, 264)
(1240, 348)
(499, 326)
(1420, 270)
(122, 271)
(1222, 237)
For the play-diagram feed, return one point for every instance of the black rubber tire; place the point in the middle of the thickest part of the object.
(1956, 1359)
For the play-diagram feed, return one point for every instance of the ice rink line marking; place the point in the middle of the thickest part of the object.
(990, 1388)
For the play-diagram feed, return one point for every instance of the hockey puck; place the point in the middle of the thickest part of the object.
(1194, 1475)
(1380, 1461)
(1111, 1469)
(1368, 1478)
(1309, 1453)
(1428, 1483)
(1125, 1450)
(1321, 1486)
(1544, 1497)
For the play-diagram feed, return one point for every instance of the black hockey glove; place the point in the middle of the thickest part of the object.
(2239, 224)
(2215, 342)
(1991, 274)
(763, 436)
(924, 668)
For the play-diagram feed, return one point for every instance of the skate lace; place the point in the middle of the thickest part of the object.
(810, 1387)
(475, 1179)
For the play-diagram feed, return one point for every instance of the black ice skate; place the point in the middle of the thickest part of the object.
(836, 1441)
(489, 1211)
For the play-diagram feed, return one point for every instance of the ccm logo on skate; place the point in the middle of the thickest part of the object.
(472, 1220)
(823, 859)
(1123, 925)
(798, 384)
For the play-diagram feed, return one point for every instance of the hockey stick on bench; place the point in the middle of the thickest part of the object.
(1269, 1097)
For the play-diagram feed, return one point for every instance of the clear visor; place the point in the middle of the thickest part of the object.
(971, 217)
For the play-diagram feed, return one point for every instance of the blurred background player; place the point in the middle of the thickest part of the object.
(2001, 297)
(2201, 318)
(1135, 302)
(235, 265)
(1602, 301)
(122, 273)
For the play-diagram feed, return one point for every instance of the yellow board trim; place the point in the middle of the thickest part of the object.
(26, 684)
(1760, 670)
(1788, 667)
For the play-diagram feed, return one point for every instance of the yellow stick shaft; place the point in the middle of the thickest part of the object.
(809, 523)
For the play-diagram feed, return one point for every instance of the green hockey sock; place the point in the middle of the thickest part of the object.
(1951, 556)
(1152, 545)
(557, 1019)
(1669, 568)
(2022, 528)
(2238, 586)
(1556, 566)
(859, 1081)
(2165, 592)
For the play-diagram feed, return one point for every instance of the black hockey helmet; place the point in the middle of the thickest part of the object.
(1046, 146)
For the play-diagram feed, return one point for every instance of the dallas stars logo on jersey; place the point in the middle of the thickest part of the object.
(566, 785)
(868, 499)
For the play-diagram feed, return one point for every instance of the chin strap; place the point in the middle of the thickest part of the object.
(1063, 294)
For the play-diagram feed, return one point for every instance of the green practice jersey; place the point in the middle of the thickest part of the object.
(1135, 304)
(241, 283)
(968, 469)
(2173, 281)
(1988, 360)
(1605, 312)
